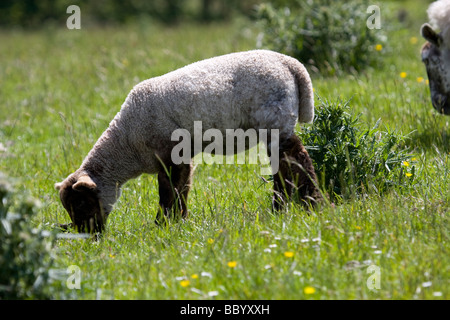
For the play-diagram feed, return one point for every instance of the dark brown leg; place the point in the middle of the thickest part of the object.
(295, 175)
(184, 186)
(173, 192)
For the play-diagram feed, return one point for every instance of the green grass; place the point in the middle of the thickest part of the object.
(60, 89)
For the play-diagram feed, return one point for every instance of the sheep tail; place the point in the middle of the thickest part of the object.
(305, 95)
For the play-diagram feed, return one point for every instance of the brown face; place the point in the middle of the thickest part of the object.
(80, 199)
(436, 58)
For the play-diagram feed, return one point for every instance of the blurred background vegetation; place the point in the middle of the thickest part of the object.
(329, 37)
(35, 13)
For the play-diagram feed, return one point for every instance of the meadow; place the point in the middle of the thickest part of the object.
(60, 89)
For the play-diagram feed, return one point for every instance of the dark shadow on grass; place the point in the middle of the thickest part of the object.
(431, 138)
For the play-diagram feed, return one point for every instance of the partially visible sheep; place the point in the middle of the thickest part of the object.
(436, 54)
(256, 89)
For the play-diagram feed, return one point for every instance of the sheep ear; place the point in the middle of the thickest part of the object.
(430, 35)
(84, 182)
(58, 186)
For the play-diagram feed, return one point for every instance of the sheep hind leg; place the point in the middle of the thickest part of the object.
(295, 176)
(174, 185)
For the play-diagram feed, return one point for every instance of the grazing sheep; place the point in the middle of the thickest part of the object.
(436, 54)
(256, 89)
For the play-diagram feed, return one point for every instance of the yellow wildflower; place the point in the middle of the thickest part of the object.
(194, 276)
(403, 74)
(288, 254)
(185, 283)
(405, 163)
(408, 174)
(309, 290)
(378, 47)
(420, 79)
(232, 264)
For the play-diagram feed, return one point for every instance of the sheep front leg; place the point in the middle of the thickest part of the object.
(295, 175)
(174, 186)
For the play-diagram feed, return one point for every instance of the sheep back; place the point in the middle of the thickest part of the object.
(253, 89)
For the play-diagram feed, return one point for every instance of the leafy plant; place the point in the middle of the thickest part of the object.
(328, 36)
(350, 158)
(24, 251)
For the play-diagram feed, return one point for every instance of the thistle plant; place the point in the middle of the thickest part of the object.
(351, 158)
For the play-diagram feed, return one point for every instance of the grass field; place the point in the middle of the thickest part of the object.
(59, 90)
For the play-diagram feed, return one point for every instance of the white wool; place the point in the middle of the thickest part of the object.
(439, 16)
(257, 89)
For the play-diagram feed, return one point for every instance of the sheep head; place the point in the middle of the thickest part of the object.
(80, 197)
(436, 57)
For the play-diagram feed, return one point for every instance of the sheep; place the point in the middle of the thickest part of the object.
(436, 54)
(253, 89)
